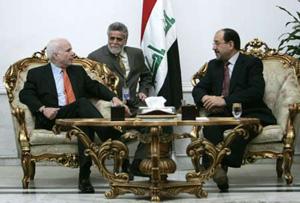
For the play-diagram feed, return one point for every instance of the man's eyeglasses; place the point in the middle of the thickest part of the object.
(119, 39)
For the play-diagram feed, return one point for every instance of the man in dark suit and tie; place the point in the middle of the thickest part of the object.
(231, 78)
(61, 90)
(135, 78)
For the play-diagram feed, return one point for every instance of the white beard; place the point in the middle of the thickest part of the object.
(115, 51)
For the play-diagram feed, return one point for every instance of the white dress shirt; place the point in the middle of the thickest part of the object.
(232, 62)
(59, 83)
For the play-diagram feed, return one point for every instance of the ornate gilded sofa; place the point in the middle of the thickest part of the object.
(38, 144)
(282, 95)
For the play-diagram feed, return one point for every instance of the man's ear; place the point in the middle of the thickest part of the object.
(231, 43)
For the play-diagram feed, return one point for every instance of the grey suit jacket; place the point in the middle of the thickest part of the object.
(247, 86)
(139, 78)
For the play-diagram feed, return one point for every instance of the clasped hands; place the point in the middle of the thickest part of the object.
(213, 104)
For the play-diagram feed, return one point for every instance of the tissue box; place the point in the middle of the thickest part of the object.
(166, 110)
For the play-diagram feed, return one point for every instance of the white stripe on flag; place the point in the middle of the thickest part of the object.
(156, 41)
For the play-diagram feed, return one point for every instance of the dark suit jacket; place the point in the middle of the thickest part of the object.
(138, 75)
(247, 86)
(39, 88)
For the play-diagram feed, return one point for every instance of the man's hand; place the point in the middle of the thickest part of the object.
(117, 102)
(50, 112)
(212, 102)
(142, 96)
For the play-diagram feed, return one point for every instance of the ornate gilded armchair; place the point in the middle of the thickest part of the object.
(282, 95)
(43, 145)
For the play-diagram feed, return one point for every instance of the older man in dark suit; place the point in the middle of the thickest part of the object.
(135, 78)
(61, 90)
(231, 78)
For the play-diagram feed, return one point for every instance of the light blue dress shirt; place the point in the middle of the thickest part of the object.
(59, 83)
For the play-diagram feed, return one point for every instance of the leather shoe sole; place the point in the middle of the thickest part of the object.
(85, 186)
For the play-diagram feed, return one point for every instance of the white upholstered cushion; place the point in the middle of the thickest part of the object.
(54, 149)
(47, 137)
(281, 89)
(270, 133)
(273, 147)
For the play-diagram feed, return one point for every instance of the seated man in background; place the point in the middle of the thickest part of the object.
(135, 78)
(61, 90)
(231, 78)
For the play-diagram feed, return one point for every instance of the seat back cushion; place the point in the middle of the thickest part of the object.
(282, 89)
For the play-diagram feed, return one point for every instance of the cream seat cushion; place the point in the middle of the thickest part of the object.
(270, 133)
(47, 137)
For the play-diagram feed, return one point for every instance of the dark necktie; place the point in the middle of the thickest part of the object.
(122, 66)
(226, 81)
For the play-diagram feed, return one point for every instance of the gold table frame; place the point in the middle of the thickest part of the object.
(159, 164)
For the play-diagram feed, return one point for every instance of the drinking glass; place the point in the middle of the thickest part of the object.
(236, 110)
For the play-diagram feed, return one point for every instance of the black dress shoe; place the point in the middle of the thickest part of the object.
(224, 187)
(220, 177)
(85, 186)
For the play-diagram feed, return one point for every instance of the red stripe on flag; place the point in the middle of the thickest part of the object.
(147, 9)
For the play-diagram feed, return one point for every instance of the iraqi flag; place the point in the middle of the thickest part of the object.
(159, 44)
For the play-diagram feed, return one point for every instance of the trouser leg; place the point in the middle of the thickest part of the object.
(238, 147)
(142, 150)
(83, 108)
(85, 162)
(215, 135)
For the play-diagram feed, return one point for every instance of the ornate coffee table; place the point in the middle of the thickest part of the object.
(159, 164)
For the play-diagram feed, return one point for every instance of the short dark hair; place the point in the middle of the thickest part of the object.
(117, 26)
(232, 35)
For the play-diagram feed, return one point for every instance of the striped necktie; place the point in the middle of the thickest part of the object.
(121, 64)
(226, 81)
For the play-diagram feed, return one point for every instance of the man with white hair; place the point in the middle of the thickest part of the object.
(61, 90)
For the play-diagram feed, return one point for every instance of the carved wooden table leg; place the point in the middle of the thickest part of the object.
(159, 165)
(110, 149)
